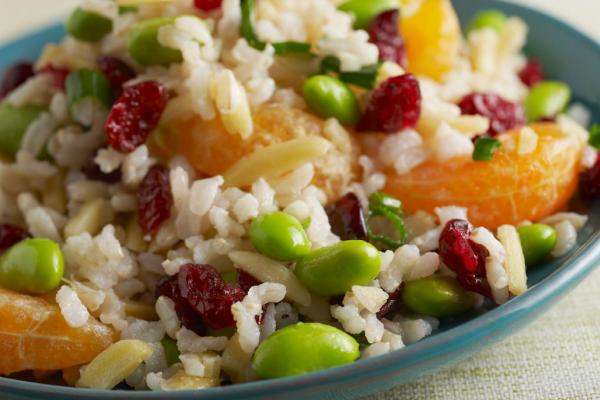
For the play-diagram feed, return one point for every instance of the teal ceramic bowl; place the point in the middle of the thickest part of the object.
(569, 56)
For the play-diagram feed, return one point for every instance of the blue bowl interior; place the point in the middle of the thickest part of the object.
(567, 55)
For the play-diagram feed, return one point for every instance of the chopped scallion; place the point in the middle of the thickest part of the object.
(595, 136)
(291, 48)
(390, 209)
(247, 27)
(485, 148)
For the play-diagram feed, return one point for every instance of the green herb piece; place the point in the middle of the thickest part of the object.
(485, 148)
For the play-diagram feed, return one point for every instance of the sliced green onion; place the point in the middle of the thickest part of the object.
(390, 208)
(365, 78)
(14, 124)
(171, 350)
(247, 27)
(595, 136)
(485, 148)
(88, 26)
(287, 48)
(86, 90)
(127, 9)
(330, 65)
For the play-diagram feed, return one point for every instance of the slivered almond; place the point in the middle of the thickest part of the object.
(528, 141)
(266, 270)
(115, 364)
(276, 160)
(470, 125)
(515, 261)
(90, 218)
(183, 381)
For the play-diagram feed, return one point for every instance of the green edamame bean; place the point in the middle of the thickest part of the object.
(494, 19)
(547, 99)
(171, 350)
(537, 241)
(143, 45)
(14, 124)
(32, 266)
(88, 26)
(303, 348)
(331, 98)
(333, 270)
(437, 296)
(364, 11)
(279, 236)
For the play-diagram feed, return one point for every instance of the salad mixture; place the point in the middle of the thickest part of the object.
(209, 192)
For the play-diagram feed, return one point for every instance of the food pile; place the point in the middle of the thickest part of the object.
(210, 192)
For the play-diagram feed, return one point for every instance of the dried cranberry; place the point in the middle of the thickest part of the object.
(532, 73)
(465, 257)
(59, 75)
(395, 105)
(92, 171)
(135, 115)
(116, 71)
(207, 5)
(11, 235)
(14, 77)
(589, 182)
(347, 219)
(504, 115)
(154, 199)
(246, 281)
(169, 287)
(384, 32)
(393, 304)
(206, 291)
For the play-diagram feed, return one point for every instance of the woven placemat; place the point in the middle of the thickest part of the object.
(556, 357)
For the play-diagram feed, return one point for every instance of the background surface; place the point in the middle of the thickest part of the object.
(557, 357)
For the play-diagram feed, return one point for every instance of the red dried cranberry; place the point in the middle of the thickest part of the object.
(206, 291)
(169, 287)
(92, 171)
(11, 235)
(14, 77)
(246, 281)
(207, 5)
(135, 115)
(384, 33)
(116, 71)
(395, 105)
(589, 182)
(504, 115)
(465, 257)
(154, 199)
(347, 218)
(59, 75)
(393, 304)
(532, 73)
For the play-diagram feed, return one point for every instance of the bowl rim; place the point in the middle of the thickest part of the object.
(571, 271)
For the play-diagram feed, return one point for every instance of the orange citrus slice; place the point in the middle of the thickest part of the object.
(509, 189)
(213, 151)
(433, 36)
(34, 335)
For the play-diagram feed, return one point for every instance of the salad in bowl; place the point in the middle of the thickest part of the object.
(205, 193)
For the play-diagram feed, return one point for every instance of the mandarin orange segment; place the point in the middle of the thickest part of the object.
(34, 335)
(212, 151)
(433, 36)
(507, 190)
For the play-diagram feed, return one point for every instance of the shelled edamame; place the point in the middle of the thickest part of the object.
(304, 348)
(32, 266)
(331, 98)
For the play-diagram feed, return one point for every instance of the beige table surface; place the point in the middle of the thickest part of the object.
(557, 357)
